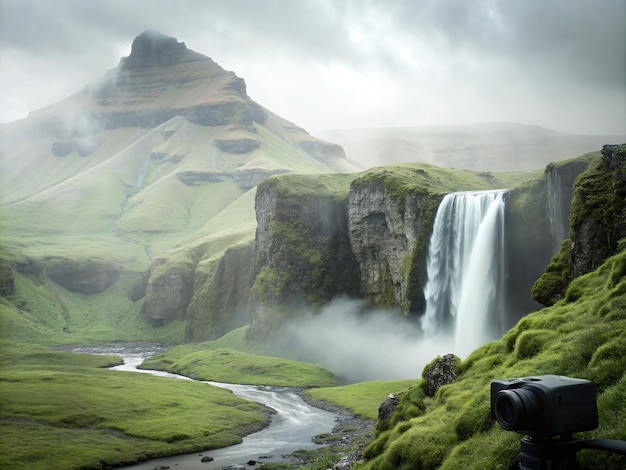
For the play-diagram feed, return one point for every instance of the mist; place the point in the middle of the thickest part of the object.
(352, 64)
(359, 344)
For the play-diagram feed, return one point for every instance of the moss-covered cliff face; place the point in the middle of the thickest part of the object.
(168, 291)
(302, 246)
(598, 224)
(582, 335)
(390, 219)
(363, 235)
(221, 291)
(536, 223)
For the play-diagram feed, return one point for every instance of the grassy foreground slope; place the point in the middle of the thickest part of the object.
(63, 410)
(584, 335)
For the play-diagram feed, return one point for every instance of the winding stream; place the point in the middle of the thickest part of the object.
(291, 429)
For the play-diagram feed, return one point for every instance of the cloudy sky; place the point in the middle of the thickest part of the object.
(332, 64)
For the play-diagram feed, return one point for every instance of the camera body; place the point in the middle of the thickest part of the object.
(544, 406)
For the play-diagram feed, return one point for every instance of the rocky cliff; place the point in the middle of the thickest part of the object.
(598, 225)
(221, 291)
(374, 229)
(536, 224)
(389, 230)
(302, 248)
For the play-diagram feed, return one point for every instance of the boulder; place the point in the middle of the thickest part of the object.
(386, 410)
(441, 371)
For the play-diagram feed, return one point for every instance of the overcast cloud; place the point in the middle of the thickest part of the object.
(329, 64)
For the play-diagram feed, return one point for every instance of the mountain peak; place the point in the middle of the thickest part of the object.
(151, 48)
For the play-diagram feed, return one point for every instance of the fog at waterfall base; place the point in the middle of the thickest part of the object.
(464, 291)
(359, 344)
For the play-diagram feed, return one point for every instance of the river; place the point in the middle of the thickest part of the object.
(292, 427)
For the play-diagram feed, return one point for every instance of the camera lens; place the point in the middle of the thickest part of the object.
(517, 409)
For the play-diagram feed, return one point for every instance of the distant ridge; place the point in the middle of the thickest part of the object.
(477, 147)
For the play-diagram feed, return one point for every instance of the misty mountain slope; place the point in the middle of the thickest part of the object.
(29, 165)
(167, 121)
(151, 168)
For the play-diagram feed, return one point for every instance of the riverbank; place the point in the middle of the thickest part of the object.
(344, 445)
(78, 414)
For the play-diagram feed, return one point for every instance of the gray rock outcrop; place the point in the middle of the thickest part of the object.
(87, 277)
(168, 292)
(441, 371)
(238, 146)
(302, 249)
(151, 49)
(387, 409)
(6, 278)
(387, 236)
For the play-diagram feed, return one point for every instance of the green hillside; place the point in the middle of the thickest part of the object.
(147, 172)
(127, 214)
(582, 336)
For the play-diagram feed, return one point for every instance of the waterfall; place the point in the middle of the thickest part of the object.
(558, 225)
(465, 269)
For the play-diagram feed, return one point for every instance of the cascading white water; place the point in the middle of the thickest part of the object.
(558, 225)
(465, 269)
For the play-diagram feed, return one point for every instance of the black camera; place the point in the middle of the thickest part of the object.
(544, 406)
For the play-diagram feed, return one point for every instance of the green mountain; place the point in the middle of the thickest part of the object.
(146, 173)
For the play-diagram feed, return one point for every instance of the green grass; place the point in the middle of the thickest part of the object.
(40, 310)
(236, 339)
(204, 361)
(362, 399)
(62, 410)
(19, 355)
(580, 337)
(400, 178)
